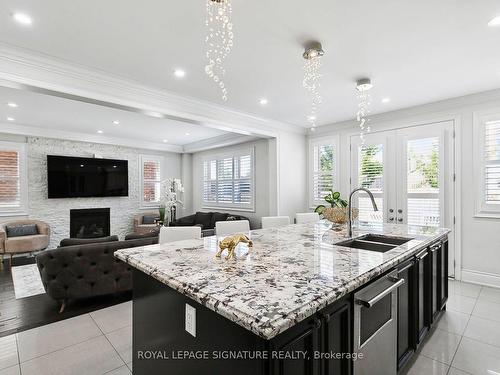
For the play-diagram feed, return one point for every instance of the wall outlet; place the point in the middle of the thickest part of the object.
(191, 320)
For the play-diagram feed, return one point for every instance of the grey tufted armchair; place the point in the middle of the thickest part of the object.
(89, 270)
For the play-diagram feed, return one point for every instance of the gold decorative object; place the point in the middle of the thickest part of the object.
(338, 215)
(230, 244)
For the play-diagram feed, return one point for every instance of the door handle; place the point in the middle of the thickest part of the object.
(372, 301)
(422, 255)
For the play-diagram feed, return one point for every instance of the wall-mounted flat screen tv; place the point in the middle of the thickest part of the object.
(73, 177)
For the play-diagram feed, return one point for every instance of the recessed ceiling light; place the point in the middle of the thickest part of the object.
(81, 165)
(11, 119)
(311, 118)
(100, 131)
(494, 22)
(165, 140)
(116, 122)
(386, 100)
(179, 73)
(22, 18)
(188, 133)
(263, 101)
(12, 105)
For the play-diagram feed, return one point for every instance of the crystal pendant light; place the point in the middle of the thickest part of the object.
(311, 83)
(219, 40)
(364, 101)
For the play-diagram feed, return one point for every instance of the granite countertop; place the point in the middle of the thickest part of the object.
(290, 273)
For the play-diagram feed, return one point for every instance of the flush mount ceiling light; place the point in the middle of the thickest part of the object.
(263, 101)
(494, 22)
(11, 119)
(188, 133)
(12, 105)
(312, 54)
(100, 131)
(363, 85)
(116, 122)
(386, 100)
(219, 40)
(165, 140)
(179, 73)
(22, 19)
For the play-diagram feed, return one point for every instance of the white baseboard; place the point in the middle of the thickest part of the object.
(482, 278)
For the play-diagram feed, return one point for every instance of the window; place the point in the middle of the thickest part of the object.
(150, 180)
(371, 177)
(228, 181)
(423, 182)
(487, 164)
(13, 181)
(323, 157)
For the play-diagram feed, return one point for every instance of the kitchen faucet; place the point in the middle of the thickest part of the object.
(349, 212)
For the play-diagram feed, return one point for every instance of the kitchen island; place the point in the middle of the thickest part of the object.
(280, 303)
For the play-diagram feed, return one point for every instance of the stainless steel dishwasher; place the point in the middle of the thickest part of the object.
(375, 327)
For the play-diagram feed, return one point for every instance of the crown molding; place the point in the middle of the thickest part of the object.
(446, 109)
(21, 68)
(223, 140)
(33, 131)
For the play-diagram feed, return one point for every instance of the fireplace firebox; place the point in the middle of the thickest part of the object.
(89, 223)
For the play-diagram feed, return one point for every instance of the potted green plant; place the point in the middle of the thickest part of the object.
(336, 210)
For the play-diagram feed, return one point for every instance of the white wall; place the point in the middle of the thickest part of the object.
(480, 237)
(292, 178)
(187, 181)
(56, 211)
(261, 148)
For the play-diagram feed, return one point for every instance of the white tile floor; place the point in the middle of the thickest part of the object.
(95, 343)
(467, 337)
(466, 341)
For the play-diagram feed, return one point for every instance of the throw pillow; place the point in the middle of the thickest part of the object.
(21, 230)
(150, 219)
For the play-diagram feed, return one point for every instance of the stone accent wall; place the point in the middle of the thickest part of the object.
(56, 211)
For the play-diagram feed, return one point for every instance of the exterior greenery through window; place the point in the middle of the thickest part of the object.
(323, 170)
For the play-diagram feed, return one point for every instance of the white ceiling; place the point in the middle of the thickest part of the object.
(54, 113)
(414, 51)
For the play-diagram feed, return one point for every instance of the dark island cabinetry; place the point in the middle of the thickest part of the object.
(321, 344)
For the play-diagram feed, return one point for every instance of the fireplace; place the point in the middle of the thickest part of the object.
(89, 223)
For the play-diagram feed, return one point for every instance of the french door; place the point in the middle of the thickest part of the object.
(410, 173)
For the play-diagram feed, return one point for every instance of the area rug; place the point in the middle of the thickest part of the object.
(27, 281)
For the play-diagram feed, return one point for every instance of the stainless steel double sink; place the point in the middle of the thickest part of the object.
(374, 242)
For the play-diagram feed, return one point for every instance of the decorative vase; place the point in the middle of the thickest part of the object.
(173, 213)
(338, 215)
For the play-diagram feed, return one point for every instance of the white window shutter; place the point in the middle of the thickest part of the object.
(10, 184)
(228, 181)
(323, 170)
(492, 162)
